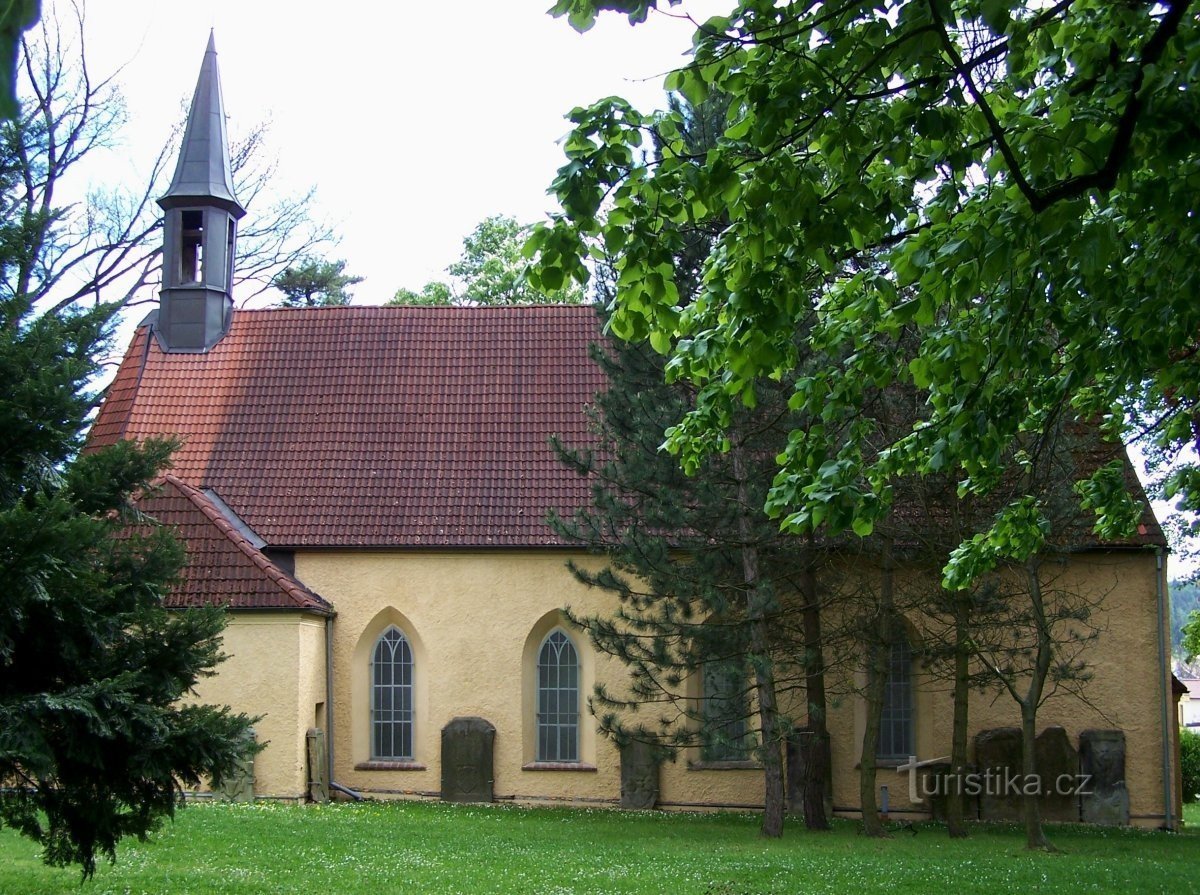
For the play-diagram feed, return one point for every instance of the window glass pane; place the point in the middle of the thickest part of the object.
(558, 700)
(725, 711)
(896, 728)
(392, 698)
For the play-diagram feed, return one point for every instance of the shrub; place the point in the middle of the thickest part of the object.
(1189, 749)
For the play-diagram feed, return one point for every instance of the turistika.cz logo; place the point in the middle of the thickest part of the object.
(992, 782)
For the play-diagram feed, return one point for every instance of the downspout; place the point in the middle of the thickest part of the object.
(1161, 594)
(333, 784)
(329, 695)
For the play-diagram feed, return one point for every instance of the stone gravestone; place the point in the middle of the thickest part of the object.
(639, 774)
(1058, 768)
(467, 760)
(938, 784)
(239, 786)
(1104, 800)
(998, 756)
(805, 748)
(318, 758)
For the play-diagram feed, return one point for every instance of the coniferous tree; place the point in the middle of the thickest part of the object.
(701, 573)
(94, 741)
(315, 283)
(719, 612)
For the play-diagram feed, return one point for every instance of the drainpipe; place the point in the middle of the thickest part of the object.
(329, 695)
(333, 784)
(1160, 573)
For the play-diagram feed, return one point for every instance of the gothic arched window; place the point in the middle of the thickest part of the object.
(392, 698)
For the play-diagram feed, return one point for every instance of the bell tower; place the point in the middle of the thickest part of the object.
(200, 225)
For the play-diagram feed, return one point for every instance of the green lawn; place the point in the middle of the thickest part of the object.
(377, 849)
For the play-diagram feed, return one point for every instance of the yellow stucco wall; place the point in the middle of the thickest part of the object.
(1125, 692)
(475, 620)
(275, 667)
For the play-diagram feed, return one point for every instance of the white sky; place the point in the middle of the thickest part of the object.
(414, 121)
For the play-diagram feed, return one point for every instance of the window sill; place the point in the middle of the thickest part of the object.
(884, 764)
(558, 766)
(389, 766)
(745, 765)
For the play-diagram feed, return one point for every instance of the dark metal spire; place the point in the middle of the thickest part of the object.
(203, 171)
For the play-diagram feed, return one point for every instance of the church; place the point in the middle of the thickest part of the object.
(365, 489)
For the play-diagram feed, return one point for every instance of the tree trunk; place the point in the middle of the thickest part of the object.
(955, 797)
(816, 783)
(758, 601)
(1035, 836)
(878, 640)
(876, 678)
(814, 791)
(768, 711)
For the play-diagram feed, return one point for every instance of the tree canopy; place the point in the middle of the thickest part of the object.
(315, 283)
(490, 271)
(1009, 187)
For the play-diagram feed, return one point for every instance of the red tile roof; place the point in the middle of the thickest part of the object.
(374, 426)
(223, 568)
(392, 427)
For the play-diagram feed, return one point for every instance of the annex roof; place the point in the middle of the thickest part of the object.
(223, 568)
(374, 426)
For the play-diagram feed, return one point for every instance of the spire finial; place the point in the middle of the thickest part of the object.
(203, 170)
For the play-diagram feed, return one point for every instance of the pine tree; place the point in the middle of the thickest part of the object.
(710, 591)
(702, 576)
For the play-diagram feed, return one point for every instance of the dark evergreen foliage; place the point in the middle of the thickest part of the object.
(95, 742)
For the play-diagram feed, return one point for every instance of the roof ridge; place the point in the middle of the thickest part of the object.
(301, 595)
(424, 309)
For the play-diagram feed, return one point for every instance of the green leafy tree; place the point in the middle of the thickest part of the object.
(490, 271)
(1191, 637)
(1011, 185)
(95, 742)
(1185, 600)
(433, 293)
(1189, 748)
(315, 283)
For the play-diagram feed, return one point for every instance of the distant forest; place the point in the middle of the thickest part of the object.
(1184, 598)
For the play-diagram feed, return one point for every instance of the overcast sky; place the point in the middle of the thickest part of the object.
(414, 120)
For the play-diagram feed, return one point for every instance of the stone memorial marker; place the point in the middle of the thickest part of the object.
(467, 745)
(239, 786)
(318, 759)
(998, 757)
(1102, 763)
(639, 774)
(1058, 767)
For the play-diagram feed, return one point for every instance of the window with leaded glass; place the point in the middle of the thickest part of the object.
(557, 699)
(392, 698)
(726, 712)
(897, 736)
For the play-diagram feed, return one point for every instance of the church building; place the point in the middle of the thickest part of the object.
(366, 489)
